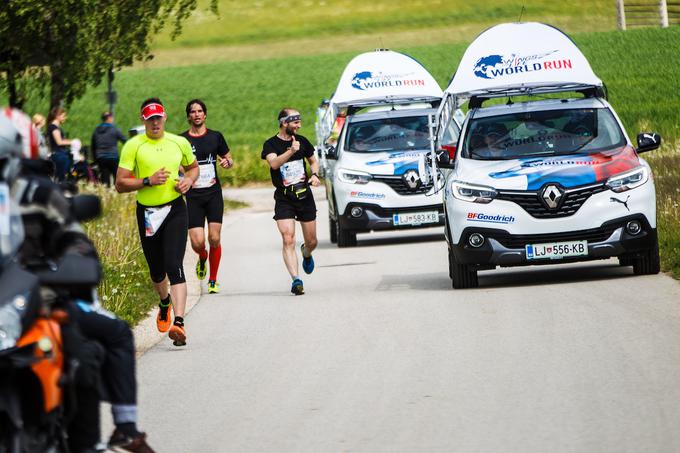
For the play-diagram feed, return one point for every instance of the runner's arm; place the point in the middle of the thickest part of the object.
(275, 161)
(126, 181)
(314, 166)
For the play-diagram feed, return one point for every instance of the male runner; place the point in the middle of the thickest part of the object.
(204, 199)
(150, 164)
(286, 153)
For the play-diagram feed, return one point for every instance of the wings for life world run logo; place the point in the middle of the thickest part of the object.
(367, 80)
(493, 66)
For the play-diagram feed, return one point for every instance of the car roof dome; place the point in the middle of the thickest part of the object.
(384, 76)
(517, 58)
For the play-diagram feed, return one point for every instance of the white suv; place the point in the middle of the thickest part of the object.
(376, 177)
(543, 181)
(376, 171)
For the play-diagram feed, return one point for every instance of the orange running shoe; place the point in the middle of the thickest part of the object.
(178, 335)
(163, 323)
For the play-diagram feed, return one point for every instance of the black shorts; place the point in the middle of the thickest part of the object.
(301, 210)
(164, 251)
(208, 206)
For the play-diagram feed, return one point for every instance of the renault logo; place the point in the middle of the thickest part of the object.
(411, 179)
(552, 195)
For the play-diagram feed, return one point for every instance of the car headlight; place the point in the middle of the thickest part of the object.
(472, 193)
(353, 176)
(10, 323)
(628, 180)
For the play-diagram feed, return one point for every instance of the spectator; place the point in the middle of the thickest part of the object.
(39, 123)
(104, 147)
(61, 154)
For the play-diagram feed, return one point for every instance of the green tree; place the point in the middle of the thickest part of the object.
(66, 45)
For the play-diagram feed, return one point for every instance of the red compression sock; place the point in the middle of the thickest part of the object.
(215, 256)
(203, 255)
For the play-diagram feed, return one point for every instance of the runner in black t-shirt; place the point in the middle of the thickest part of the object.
(286, 153)
(204, 200)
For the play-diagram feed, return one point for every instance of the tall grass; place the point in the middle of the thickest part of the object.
(126, 287)
(666, 165)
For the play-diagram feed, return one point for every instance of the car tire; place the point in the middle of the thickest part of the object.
(333, 229)
(346, 238)
(462, 275)
(647, 262)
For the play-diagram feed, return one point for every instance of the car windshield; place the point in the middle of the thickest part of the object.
(388, 134)
(542, 133)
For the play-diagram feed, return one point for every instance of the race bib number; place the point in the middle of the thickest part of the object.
(293, 172)
(206, 176)
(154, 218)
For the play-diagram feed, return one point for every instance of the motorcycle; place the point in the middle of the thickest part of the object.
(36, 376)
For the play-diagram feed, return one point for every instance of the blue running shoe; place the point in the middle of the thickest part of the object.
(297, 287)
(307, 262)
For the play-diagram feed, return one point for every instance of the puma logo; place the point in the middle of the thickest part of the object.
(625, 203)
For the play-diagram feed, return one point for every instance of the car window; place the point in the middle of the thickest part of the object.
(542, 133)
(388, 134)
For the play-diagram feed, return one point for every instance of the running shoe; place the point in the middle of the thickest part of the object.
(307, 262)
(201, 269)
(136, 444)
(163, 322)
(297, 287)
(178, 335)
(213, 287)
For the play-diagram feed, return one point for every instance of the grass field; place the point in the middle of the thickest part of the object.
(253, 21)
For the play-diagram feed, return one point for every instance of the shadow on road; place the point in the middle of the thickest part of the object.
(377, 241)
(555, 274)
(426, 282)
(508, 278)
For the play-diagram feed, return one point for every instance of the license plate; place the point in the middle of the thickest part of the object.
(416, 218)
(557, 250)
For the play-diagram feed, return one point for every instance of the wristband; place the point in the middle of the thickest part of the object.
(315, 174)
(146, 182)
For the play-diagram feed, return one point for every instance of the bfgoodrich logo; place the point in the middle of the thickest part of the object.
(493, 66)
(367, 80)
(497, 218)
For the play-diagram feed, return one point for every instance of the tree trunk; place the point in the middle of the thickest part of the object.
(57, 85)
(11, 87)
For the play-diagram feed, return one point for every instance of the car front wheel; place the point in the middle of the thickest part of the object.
(647, 262)
(333, 229)
(462, 275)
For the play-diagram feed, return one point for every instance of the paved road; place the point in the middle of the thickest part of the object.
(381, 355)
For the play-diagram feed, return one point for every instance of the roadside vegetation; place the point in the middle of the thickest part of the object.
(126, 288)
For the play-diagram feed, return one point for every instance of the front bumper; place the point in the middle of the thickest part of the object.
(501, 248)
(375, 217)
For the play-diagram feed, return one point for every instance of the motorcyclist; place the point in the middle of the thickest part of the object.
(51, 234)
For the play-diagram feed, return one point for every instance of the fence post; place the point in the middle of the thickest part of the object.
(620, 15)
(663, 11)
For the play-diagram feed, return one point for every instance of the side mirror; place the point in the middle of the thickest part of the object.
(446, 156)
(86, 207)
(648, 141)
(331, 152)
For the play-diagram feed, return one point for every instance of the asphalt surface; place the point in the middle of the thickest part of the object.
(381, 355)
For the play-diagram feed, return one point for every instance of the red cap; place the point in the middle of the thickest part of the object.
(152, 110)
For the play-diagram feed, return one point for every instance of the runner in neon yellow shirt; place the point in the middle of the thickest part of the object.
(150, 164)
